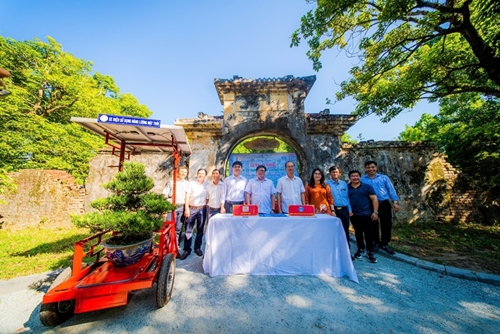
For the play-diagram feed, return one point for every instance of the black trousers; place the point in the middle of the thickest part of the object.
(363, 227)
(179, 221)
(228, 206)
(211, 212)
(343, 215)
(385, 218)
(198, 217)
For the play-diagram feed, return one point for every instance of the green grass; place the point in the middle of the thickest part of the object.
(470, 246)
(37, 250)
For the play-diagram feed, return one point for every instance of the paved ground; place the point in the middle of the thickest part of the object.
(391, 297)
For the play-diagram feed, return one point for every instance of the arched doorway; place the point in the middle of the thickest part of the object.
(269, 150)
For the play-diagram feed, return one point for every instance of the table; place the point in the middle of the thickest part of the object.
(277, 246)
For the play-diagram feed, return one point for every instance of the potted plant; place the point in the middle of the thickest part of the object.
(132, 212)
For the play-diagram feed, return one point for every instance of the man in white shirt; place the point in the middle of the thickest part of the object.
(214, 194)
(290, 189)
(195, 212)
(260, 191)
(233, 192)
(180, 196)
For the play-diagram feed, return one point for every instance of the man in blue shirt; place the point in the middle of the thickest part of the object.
(340, 198)
(364, 206)
(385, 190)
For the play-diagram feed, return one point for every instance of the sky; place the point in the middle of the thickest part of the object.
(168, 53)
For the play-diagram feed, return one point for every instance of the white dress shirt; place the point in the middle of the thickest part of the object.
(197, 193)
(214, 194)
(180, 190)
(234, 189)
(290, 190)
(260, 192)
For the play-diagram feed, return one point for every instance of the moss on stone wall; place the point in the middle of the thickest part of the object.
(42, 197)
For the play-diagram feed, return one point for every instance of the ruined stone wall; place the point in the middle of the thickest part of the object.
(450, 200)
(404, 163)
(428, 186)
(50, 196)
(426, 183)
(42, 197)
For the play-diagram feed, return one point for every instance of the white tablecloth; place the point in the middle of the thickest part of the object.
(277, 246)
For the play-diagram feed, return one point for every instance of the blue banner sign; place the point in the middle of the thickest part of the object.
(126, 120)
(274, 162)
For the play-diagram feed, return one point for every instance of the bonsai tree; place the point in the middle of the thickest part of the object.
(132, 210)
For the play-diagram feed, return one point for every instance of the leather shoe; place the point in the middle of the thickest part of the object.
(184, 255)
(198, 252)
(387, 249)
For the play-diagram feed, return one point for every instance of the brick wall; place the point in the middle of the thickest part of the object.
(45, 197)
(463, 204)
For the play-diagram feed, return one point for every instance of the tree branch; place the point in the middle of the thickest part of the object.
(51, 110)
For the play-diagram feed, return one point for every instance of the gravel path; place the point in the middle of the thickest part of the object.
(391, 297)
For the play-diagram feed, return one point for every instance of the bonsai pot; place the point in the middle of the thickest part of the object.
(126, 255)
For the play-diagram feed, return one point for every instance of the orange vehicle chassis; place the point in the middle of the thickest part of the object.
(101, 285)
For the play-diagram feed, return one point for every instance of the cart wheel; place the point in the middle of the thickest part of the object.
(165, 282)
(53, 314)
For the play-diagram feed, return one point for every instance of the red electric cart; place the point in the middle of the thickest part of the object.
(98, 285)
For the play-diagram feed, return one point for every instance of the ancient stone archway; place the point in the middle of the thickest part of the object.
(272, 106)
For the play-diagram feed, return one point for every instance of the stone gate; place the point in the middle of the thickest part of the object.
(274, 106)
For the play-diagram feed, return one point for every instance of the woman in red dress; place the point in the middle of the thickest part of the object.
(319, 194)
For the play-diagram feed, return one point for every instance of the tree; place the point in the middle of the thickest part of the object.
(408, 49)
(283, 147)
(467, 129)
(131, 209)
(48, 87)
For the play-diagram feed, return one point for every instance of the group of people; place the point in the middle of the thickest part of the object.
(364, 201)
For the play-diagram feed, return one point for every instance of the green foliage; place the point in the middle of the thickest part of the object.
(407, 49)
(49, 86)
(6, 184)
(132, 210)
(282, 148)
(420, 132)
(467, 129)
(346, 138)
